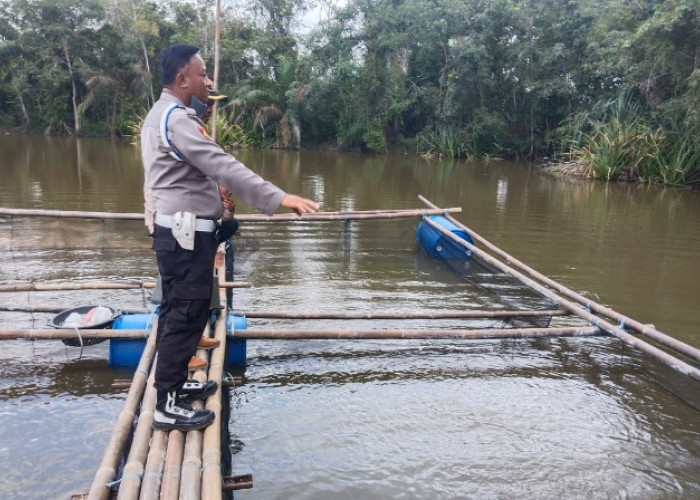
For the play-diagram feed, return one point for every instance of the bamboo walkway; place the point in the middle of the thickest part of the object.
(159, 464)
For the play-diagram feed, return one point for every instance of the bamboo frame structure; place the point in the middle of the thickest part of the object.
(645, 329)
(107, 470)
(654, 352)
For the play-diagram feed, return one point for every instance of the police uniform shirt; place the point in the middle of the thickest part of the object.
(190, 184)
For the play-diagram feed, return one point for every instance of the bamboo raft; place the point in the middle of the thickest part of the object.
(167, 465)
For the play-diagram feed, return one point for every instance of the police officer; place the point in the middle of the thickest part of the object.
(182, 168)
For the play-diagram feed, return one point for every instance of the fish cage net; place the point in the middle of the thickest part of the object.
(505, 290)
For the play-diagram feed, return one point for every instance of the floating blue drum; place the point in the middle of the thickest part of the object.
(440, 246)
(235, 347)
(127, 352)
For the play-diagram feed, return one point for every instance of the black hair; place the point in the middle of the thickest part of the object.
(173, 59)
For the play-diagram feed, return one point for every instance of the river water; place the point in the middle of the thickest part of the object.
(560, 418)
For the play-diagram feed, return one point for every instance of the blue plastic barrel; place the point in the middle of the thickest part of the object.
(440, 246)
(127, 352)
(235, 347)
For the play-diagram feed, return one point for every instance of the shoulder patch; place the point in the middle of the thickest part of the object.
(203, 131)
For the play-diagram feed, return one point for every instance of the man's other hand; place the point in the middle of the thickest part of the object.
(299, 205)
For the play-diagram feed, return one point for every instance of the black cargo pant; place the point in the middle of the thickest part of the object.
(187, 277)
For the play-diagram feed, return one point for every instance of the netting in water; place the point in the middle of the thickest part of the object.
(505, 290)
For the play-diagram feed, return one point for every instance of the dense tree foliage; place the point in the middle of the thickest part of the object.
(461, 78)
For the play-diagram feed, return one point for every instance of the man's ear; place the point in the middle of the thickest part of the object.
(181, 79)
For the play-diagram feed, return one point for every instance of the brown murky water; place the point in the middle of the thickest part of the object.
(563, 418)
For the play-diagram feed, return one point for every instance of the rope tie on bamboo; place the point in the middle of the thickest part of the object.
(621, 323)
(135, 475)
(80, 338)
(149, 323)
(156, 475)
(588, 305)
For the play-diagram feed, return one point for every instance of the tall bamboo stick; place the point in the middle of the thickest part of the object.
(645, 329)
(108, 467)
(415, 333)
(654, 352)
(217, 43)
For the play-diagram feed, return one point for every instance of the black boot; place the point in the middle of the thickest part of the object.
(192, 390)
(171, 413)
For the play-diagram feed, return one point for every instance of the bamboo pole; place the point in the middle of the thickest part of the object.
(397, 315)
(172, 470)
(55, 309)
(69, 214)
(99, 285)
(134, 468)
(282, 217)
(645, 329)
(191, 474)
(44, 287)
(108, 467)
(654, 352)
(415, 333)
(211, 457)
(153, 475)
(354, 215)
(69, 333)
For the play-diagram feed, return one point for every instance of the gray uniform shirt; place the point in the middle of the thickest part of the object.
(190, 184)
